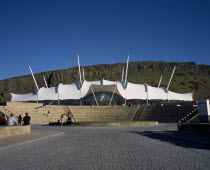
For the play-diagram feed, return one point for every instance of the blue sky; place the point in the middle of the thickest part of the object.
(47, 34)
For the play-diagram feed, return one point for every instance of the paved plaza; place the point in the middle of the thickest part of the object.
(139, 147)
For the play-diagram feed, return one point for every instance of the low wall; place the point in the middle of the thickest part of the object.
(6, 131)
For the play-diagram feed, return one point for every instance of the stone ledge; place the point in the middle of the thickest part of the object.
(108, 123)
(7, 131)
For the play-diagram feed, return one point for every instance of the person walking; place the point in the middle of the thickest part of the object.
(26, 119)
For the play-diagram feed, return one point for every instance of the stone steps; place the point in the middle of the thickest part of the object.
(38, 112)
(80, 113)
(165, 114)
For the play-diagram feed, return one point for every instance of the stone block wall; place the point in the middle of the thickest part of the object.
(6, 131)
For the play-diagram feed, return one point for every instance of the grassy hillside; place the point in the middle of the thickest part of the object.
(189, 77)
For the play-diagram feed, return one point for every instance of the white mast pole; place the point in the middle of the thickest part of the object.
(83, 73)
(45, 81)
(34, 78)
(80, 77)
(126, 73)
(160, 81)
(58, 95)
(113, 94)
(94, 95)
(171, 77)
(123, 74)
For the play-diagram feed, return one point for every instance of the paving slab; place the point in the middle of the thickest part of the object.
(35, 135)
(112, 148)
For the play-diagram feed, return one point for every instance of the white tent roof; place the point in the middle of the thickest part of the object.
(155, 93)
(48, 93)
(73, 91)
(69, 91)
(24, 97)
(135, 91)
(175, 96)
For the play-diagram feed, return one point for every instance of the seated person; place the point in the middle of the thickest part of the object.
(59, 122)
(20, 120)
(11, 121)
(26, 119)
(3, 120)
(48, 113)
(62, 119)
(70, 120)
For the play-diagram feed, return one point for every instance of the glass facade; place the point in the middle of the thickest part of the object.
(103, 99)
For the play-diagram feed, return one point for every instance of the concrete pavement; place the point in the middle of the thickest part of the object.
(140, 147)
(35, 135)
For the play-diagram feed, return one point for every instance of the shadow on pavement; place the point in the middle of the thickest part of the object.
(187, 140)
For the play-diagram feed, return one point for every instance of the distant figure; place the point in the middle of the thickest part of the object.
(69, 114)
(70, 120)
(20, 119)
(11, 121)
(59, 122)
(3, 120)
(62, 119)
(48, 113)
(26, 119)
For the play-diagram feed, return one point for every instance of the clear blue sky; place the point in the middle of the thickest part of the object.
(47, 34)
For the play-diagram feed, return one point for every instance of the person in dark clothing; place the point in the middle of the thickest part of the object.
(26, 119)
(20, 120)
(68, 121)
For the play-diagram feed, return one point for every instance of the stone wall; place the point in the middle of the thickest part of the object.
(6, 131)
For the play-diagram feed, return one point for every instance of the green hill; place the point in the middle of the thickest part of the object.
(188, 77)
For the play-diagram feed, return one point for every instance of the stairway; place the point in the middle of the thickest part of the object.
(138, 113)
(38, 113)
(167, 113)
(4, 110)
(102, 113)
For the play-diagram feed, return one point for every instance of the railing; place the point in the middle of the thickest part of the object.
(137, 113)
(69, 110)
(189, 117)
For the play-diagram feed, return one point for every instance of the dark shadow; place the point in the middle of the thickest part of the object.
(187, 140)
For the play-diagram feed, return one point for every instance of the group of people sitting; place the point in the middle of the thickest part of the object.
(69, 120)
(12, 121)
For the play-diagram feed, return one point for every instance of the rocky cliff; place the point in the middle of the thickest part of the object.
(188, 77)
